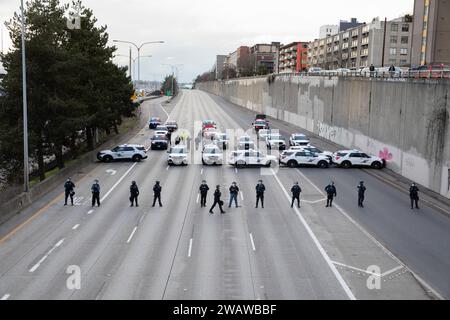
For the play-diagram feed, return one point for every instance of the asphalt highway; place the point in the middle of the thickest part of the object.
(180, 251)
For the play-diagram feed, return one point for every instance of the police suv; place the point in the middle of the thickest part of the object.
(349, 158)
(295, 158)
(276, 141)
(251, 157)
(212, 155)
(177, 155)
(133, 152)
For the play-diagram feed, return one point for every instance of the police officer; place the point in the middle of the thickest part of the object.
(217, 195)
(331, 193)
(95, 193)
(134, 193)
(234, 190)
(414, 195)
(68, 187)
(296, 190)
(361, 190)
(157, 193)
(203, 193)
(260, 188)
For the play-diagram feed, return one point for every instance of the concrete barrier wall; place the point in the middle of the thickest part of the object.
(404, 121)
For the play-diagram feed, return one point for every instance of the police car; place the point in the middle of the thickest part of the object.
(276, 141)
(177, 155)
(172, 126)
(264, 133)
(154, 122)
(260, 124)
(298, 139)
(133, 152)
(295, 158)
(159, 142)
(161, 129)
(315, 150)
(356, 158)
(246, 142)
(242, 158)
(212, 155)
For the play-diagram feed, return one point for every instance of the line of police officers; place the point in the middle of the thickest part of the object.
(260, 189)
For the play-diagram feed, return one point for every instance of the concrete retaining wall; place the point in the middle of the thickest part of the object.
(404, 121)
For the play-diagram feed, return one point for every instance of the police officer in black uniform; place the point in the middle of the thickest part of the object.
(296, 190)
(157, 193)
(68, 187)
(234, 191)
(414, 195)
(331, 193)
(95, 193)
(203, 193)
(260, 189)
(361, 190)
(134, 193)
(217, 195)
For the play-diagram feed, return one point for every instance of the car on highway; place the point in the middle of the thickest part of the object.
(431, 71)
(177, 155)
(208, 124)
(264, 133)
(222, 140)
(172, 126)
(357, 158)
(299, 139)
(242, 158)
(276, 141)
(159, 142)
(313, 149)
(132, 152)
(209, 133)
(260, 124)
(315, 70)
(162, 128)
(296, 158)
(154, 122)
(212, 155)
(245, 142)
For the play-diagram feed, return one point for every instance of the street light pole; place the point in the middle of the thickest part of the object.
(26, 180)
(138, 47)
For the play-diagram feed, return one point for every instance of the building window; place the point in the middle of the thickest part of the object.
(393, 51)
(403, 62)
(392, 61)
(405, 28)
(404, 51)
(404, 40)
(393, 39)
(394, 27)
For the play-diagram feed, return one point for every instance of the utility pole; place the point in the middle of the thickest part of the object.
(26, 181)
(131, 77)
(384, 42)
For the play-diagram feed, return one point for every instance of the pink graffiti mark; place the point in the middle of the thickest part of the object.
(385, 154)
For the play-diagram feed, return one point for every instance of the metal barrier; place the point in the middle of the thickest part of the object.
(411, 74)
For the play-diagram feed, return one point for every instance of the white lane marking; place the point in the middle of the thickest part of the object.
(253, 242)
(111, 171)
(317, 243)
(310, 182)
(90, 211)
(131, 235)
(75, 227)
(168, 115)
(168, 167)
(382, 247)
(354, 268)
(201, 171)
(6, 297)
(118, 182)
(236, 170)
(190, 248)
(313, 202)
(198, 197)
(37, 265)
(242, 196)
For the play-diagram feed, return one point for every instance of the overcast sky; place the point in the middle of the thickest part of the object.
(196, 31)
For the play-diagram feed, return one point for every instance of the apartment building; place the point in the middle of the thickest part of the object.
(293, 57)
(239, 60)
(220, 65)
(328, 30)
(431, 32)
(379, 43)
(264, 57)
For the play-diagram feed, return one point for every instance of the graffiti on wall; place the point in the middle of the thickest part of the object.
(385, 154)
(326, 131)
